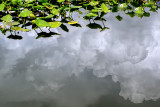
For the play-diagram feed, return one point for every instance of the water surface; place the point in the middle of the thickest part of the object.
(118, 67)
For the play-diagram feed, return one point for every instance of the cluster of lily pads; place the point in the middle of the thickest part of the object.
(17, 15)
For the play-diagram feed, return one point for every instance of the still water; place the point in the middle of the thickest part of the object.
(118, 67)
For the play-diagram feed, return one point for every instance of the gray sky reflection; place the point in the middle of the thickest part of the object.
(77, 68)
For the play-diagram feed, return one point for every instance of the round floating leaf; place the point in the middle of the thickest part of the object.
(139, 10)
(2, 7)
(96, 10)
(41, 23)
(54, 11)
(76, 7)
(14, 2)
(25, 13)
(91, 15)
(16, 28)
(43, 1)
(29, 1)
(20, 29)
(47, 17)
(60, 1)
(123, 6)
(94, 3)
(54, 24)
(7, 18)
(105, 8)
(73, 22)
(13, 23)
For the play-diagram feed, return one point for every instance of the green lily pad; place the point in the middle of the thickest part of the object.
(13, 23)
(105, 8)
(91, 15)
(7, 18)
(123, 6)
(72, 22)
(25, 13)
(2, 7)
(94, 3)
(47, 17)
(54, 24)
(139, 10)
(60, 1)
(29, 1)
(54, 11)
(20, 29)
(41, 23)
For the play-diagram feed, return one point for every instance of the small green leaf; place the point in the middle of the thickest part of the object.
(2, 7)
(105, 8)
(139, 10)
(54, 11)
(123, 6)
(43, 1)
(54, 24)
(91, 15)
(15, 2)
(76, 7)
(94, 26)
(41, 23)
(7, 18)
(29, 1)
(20, 29)
(13, 23)
(47, 17)
(25, 13)
(72, 22)
(60, 1)
(94, 3)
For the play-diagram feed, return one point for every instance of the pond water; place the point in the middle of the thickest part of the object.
(118, 67)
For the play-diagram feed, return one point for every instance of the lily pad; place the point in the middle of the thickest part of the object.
(25, 13)
(2, 7)
(54, 24)
(91, 15)
(7, 18)
(54, 11)
(41, 23)
(105, 8)
(72, 22)
(13, 23)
